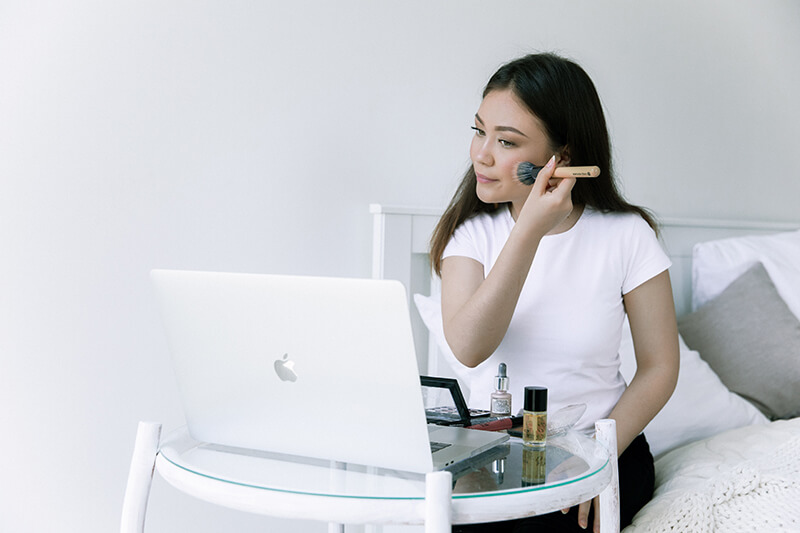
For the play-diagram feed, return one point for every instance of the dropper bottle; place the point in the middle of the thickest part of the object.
(501, 398)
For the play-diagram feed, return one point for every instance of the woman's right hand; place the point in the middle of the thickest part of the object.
(549, 202)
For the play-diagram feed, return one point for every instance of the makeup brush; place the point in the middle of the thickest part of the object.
(526, 172)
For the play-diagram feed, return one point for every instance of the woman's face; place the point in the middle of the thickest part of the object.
(506, 134)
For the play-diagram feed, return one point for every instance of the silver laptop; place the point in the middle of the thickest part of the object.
(308, 366)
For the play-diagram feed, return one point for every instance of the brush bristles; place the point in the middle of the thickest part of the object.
(526, 172)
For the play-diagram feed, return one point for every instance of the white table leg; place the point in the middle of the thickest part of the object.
(609, 499)
(140, 477)
(438, 506)
(337, 481)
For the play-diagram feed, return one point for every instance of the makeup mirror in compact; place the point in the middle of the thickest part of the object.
(445, 404)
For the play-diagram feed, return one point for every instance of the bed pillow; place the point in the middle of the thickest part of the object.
(751, 339)
(430, 310)
(701, 405)
(715, 264)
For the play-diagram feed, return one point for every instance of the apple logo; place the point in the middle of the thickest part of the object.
(285, 369)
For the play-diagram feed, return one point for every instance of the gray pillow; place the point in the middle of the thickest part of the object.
(751, 339)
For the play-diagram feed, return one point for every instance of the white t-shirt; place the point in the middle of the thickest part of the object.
(566, 329)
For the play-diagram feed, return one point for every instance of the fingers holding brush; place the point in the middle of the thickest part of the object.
(547, 181)
(543, 181)
(550, 199)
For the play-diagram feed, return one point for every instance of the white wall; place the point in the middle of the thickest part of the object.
(251, 136)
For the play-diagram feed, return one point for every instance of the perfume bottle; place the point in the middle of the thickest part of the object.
(501, 398)
(534, 417)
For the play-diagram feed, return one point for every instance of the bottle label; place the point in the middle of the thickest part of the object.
(501, 406)
(534, 428)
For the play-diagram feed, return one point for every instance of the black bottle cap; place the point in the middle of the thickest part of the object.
(535, 399)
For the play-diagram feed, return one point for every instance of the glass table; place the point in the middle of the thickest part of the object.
(509, 481)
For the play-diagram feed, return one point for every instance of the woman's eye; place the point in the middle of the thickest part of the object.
(504, 143)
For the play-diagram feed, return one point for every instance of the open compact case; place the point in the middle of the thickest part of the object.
(445, 404)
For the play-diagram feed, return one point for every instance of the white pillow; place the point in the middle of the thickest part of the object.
(715, 264)
(701, 405)
(430, 310)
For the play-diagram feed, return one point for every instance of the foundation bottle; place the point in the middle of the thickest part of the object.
(501, 398)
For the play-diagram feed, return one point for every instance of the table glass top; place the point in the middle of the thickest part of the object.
(508, 468)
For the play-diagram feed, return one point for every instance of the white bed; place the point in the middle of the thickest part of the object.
(721, 464)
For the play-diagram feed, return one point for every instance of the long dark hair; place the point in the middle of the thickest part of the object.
(563, 97)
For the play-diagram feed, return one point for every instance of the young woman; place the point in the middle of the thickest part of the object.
(541, 277)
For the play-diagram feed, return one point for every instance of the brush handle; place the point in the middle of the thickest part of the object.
(527, 172)
(576, 172)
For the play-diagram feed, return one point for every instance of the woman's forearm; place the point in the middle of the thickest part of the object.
(647, 393)
(477, 312)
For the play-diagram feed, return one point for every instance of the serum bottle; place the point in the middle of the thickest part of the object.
(534, 417)
(501, 398)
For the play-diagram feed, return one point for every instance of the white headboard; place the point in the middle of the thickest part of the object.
(401, 237)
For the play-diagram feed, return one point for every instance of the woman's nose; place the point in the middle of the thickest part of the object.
(483, 153)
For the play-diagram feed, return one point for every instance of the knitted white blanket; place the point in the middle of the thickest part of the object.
(744, 480)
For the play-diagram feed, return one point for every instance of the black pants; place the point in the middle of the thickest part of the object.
(636, 480)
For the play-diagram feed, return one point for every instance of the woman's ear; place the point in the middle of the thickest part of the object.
(562, 156)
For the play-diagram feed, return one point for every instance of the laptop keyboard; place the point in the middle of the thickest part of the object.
(436, 446)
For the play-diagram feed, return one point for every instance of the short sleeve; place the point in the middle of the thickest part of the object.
(464, 243)
(646, 257)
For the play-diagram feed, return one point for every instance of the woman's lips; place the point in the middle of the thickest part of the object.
(483, 179)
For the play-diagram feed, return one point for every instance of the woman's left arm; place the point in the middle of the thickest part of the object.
(651, 312)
